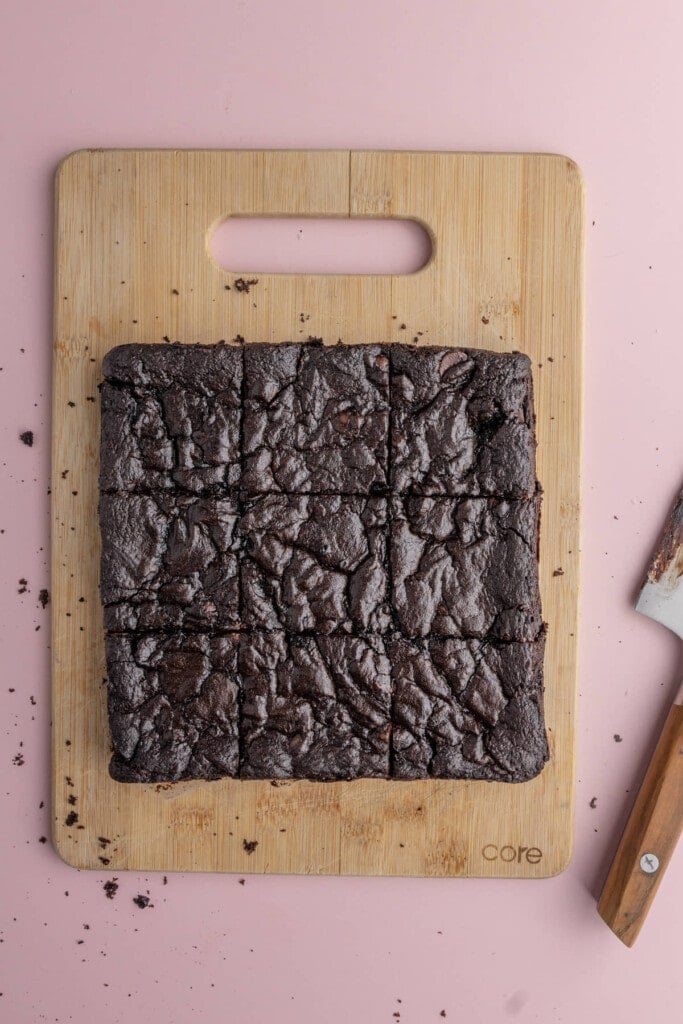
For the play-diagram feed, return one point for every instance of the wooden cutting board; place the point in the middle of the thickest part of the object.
(505, 273)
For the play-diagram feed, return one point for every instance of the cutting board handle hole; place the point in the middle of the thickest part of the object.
(320, 245)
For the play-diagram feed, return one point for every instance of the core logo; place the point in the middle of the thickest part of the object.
(512, 854)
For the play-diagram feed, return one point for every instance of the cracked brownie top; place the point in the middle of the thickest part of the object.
(462, 422)
(466, 567)
(169, 561)
(467, 709)
(321, 562)
(315, 564)
(316, 418)
(171, 417)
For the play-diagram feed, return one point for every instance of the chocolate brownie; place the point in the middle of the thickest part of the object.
(170, 417)
(462, 422)
(315, 564)
(168, 561)
(366, 517)
(173, 706)
(465, 567)
(464, 709)
(316, 418)
(314, 707)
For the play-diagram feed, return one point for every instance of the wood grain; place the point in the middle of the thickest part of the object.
(506, 273)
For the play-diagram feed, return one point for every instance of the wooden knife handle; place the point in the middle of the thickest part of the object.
(650, 836)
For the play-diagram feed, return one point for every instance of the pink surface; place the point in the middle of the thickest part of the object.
(599, 80)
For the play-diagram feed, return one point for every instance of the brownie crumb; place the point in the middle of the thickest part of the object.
(242, 881)
(68, 780)
(43, 839)
(110, 888)
(71, 818)
(142, 902)
(593, 803)
(23, 586)
(243, 285)
(71, 799)
(18, 760)
(72, 405)
(103, 841)
(559, 572)
(442, 1014)
(27, 438)
(249, 845)
(105, 860)
(165, 880)
(484, 319)
(174, 291)
(617, 738)
(44, 598)
(41, 805)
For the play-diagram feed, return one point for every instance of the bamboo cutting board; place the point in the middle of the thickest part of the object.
(505, 273)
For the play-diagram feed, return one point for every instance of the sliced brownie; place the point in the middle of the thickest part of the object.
(316, 418)
(462, 422)
(465, 567)
(169, 561)
(314, 707)
(464, 709)
(173, 706)
(171, 417)
(315, 564)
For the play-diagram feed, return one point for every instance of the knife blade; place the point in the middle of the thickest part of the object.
(655, 823)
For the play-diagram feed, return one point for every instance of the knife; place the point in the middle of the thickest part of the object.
(654, 825)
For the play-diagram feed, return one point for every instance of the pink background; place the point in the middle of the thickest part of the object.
(599, 80)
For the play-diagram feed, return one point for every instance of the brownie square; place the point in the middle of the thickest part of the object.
(463, 709)
(316, 418)
(315, 564)
(169, 562)
(171, 417)
(314, 707)
(465, 567)
(462, 422)
(173, 706)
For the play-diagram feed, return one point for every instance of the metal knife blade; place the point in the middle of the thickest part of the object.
(662, 595)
